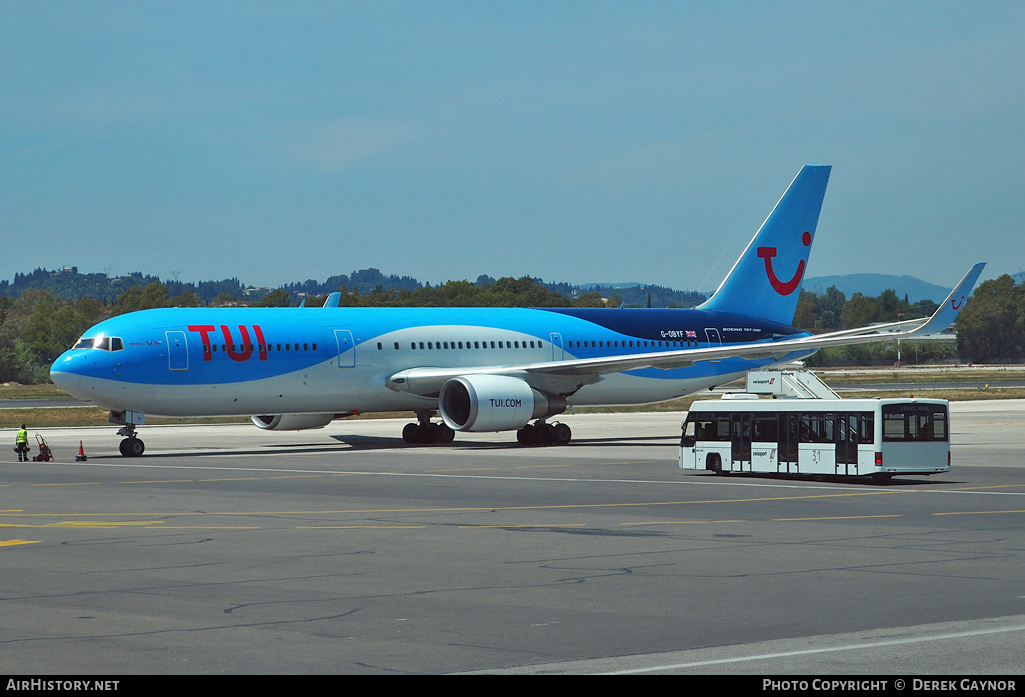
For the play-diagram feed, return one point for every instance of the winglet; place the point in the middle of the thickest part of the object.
(949, 308)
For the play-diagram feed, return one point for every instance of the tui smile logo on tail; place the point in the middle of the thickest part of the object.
(781, 287)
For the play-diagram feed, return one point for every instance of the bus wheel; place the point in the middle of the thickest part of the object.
(714, 463)
(881, 477)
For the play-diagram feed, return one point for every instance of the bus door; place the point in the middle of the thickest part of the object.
(789, 437)
(740, 442)
(818, 443)
(847, 444)
(764, 442)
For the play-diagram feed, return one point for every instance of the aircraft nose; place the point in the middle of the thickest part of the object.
(64, 373)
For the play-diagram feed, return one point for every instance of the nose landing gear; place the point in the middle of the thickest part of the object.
(130, 446)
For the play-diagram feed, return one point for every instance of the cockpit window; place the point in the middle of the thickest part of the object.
(104, 343)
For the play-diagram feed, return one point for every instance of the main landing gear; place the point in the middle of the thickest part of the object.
(426, 432)
(130, 446)
(541, 433)
(537, 433)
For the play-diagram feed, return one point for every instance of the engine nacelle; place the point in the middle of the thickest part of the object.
(493, 403)
(292, 422)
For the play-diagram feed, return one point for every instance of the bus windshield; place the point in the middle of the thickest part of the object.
(914, 422)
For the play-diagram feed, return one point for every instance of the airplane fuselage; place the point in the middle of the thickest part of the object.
(245, 361)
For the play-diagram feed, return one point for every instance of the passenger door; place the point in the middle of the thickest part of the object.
(346, 348)
(177, 351)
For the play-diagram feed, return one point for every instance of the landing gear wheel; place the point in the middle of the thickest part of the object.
(525, 436)
(132, 447)
(561, 434)
(424, 433)
(442, 433)
(543, 434)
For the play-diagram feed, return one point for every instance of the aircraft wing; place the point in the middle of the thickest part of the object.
(565, 377)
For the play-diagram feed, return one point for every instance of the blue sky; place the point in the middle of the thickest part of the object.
(575, 141)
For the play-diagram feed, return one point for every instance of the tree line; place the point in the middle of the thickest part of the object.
(69, 283)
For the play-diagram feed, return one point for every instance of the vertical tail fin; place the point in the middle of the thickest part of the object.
(766, 280)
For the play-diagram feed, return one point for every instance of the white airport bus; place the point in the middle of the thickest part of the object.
(852, 437)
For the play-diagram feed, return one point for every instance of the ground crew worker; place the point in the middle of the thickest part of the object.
(22, 445)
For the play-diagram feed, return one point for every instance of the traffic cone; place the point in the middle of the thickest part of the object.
(81, 453)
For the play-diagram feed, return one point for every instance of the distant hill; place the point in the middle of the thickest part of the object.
(872, 284)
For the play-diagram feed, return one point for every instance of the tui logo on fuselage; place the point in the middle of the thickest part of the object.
(238, 353)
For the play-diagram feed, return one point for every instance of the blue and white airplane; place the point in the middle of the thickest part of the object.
(482, 369)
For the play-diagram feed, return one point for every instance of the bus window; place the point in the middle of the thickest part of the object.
(817, 428)
(939, 420)
(765, 429)
(722, 428)
(866, 432)
(690, 430)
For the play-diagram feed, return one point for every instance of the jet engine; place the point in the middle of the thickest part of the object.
(494, 403)
(292, 422)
